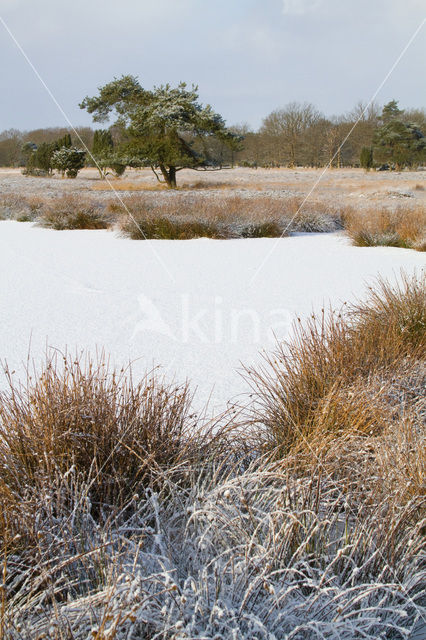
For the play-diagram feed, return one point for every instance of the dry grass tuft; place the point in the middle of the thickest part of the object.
(182, 216)
(21, 208)
(83, 420)
(401, 227)
(162, 228)
(72, 212)
(324, 383)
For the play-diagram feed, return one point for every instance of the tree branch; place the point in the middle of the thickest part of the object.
(157, 176)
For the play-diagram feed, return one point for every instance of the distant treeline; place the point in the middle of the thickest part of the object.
(296, 135)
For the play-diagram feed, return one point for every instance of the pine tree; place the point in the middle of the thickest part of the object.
(391, 111)
(102, 142)
(68, 160)
(161, 125)
(397, 142)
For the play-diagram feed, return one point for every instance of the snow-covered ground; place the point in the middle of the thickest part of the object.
(198, 308)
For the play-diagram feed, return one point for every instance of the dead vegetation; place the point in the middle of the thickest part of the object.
(122, 517)
(72, 212)
(224, 217)
(400, 227)
(332, 379)
(239, 208)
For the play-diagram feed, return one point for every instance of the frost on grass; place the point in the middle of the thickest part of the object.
(250, 555)
(321, 536)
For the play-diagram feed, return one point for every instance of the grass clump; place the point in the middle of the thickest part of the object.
(403, 227)
(72, 212)
(83, 419)
(14, 206)
(184, 216)
(163, 228)
(253, 554)
(327, 380)
(261, 230)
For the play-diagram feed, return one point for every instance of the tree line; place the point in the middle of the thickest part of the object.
(167, 129)
(299, 135)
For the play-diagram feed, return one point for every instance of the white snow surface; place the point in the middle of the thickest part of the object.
(193, 307)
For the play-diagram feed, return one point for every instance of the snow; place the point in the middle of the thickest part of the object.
(198, 308)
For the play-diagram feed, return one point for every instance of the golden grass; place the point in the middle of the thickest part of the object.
(72, 212)
(401, 227)
(228, 216)
(85, 419)
(332, 381)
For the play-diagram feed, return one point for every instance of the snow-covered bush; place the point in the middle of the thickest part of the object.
(68, 160)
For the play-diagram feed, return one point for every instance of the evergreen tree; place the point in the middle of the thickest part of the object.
(38, 158)
(391, 111)
(366, 158)
(102, 142)
(68, 160)
(64, 142)
(397, 142)
(161, 125)
(105, 156)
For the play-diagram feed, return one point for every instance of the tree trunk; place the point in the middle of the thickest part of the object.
(169, 176)
(172, 177)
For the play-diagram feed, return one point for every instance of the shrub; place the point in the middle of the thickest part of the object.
(72, 212)
(118, 169)
(34, 172)
(68, 160)
(366, 158)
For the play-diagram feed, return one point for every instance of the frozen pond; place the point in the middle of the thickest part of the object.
(198, 308)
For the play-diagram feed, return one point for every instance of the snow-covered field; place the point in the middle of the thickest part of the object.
(198, 308)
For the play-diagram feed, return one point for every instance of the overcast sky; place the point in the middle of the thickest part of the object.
(247, 57)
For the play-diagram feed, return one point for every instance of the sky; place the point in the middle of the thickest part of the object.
(248, 57)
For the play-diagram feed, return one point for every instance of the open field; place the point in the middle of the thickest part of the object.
(347, 186)
(375, 208)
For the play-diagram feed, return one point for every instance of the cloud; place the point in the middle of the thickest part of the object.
(248, 56)
(299, 7)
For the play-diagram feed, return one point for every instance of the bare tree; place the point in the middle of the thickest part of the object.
(288, 127)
